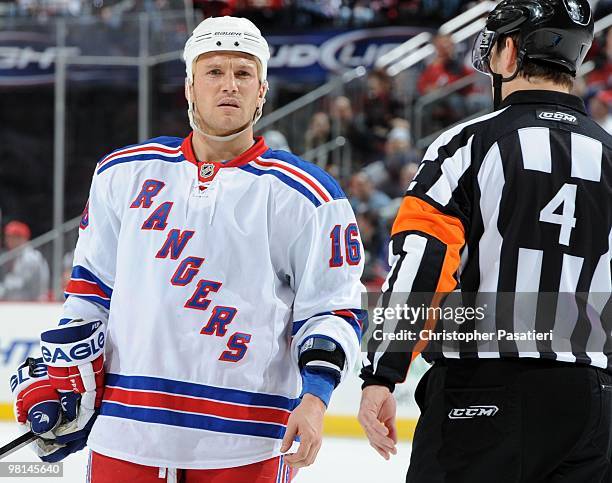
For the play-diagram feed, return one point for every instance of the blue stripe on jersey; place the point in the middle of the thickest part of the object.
(200, 390)
(91, 298)
(168, 141)
(285, 179)
(81, 273)
(188, 420)
(298, 324)
(142, 157)
(328, 182)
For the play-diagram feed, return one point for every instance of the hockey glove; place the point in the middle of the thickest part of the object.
(74, 353)
(37, 408)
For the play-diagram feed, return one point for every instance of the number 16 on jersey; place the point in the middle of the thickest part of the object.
(352, 248)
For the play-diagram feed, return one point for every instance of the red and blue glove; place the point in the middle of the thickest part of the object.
(38, 408)
(74, 354)
(58, 396)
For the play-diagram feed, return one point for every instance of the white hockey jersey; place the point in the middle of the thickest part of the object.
(209, 276)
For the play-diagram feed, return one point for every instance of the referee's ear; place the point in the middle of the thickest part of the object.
(505, 59)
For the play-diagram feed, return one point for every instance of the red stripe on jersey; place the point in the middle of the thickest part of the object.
(174, 402)
(139, 149)
(349, 314)
(83, 287)
(282, 167)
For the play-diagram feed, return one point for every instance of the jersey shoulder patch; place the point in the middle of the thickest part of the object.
(163, 148)
(308, 179)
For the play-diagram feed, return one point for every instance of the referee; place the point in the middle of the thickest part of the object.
(513, 208)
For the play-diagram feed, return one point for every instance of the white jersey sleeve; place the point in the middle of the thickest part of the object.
(89, 291)
(327, 263)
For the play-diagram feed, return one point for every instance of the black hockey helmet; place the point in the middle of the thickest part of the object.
(558, 32)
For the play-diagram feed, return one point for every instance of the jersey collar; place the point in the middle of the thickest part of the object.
(257, 149)
(545, 97)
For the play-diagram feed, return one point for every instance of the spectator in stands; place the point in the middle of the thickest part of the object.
(601, 76)
(276, 140)
(375, 248)
(443, 70)
(344, 123)
(363, 196)
(317, 134)
(599, 108)
(396, 184)
(386, 173)
(342, 117)
(380, 108)
(362, 13)
(28, 275)
(398, 149)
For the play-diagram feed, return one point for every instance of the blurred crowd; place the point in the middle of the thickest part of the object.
(375, 163)
(383, 162)
(596, 86)
(266, 13)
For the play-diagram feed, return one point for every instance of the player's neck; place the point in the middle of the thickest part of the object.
(206, 149)
(522, 84)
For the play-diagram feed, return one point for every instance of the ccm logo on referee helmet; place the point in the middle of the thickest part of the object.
(557, 116)
(473, 412)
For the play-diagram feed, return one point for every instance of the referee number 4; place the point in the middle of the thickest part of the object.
(566, 200)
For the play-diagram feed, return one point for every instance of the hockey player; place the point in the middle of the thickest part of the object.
(515, 208)
(214, 302)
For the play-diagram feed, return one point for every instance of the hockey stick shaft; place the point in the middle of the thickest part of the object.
(17, 444)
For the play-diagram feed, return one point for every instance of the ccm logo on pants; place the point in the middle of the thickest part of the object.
(473, 412)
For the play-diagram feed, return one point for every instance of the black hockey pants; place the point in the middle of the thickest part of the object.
(513, 421)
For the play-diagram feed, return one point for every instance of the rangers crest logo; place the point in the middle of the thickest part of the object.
(85, 217)
(207, 170)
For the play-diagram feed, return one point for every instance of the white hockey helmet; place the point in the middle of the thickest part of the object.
(225, 34)
(233, 34)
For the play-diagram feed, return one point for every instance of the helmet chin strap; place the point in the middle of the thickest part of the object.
(497, 88)
(229, 137)
(498, 79)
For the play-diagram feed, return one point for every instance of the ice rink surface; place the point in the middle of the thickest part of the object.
(339, 461)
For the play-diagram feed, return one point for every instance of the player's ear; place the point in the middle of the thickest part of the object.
(262, 95)
(188, 89)
(263, 89)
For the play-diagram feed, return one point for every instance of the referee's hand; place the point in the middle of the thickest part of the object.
(377, 417)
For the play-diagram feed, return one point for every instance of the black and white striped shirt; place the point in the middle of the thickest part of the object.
(515, 202)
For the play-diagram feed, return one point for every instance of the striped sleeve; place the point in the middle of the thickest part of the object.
(90, 288)
(84, 284)
(427, 238)
(327, 284)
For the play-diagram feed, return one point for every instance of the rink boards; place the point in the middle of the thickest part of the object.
(22, 323)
